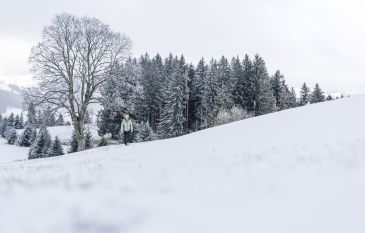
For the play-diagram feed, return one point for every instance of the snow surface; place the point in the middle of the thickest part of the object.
(300, 170)
(10, 153)
(64, 132)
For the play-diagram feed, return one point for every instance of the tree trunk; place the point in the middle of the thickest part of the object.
(79, 132)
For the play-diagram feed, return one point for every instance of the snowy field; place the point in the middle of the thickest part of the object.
(10, 153)
(296, 171)
(64, 132)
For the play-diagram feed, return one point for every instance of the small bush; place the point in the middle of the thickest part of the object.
(103, 142)
(11, 135)
(234, 114)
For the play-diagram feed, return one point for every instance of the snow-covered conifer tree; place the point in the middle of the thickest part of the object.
(317, 95)
(109, 121)
(87, 119)
(286, 98)
(245, 86)
(225, 85)
(293, 98)
(237, 79)
(25, 137)
(157, 84)
(172, 118)
(21, 121)
(11, 120)
(31, 115)
(152, 81)
(48, 117)
(33, 135)
(190, 111)
(73, 143)
(198, 87)
(60, 121)
(263, 99)
(88, 139)
(11, 135)
(145, 133)
(210, 94)
(17, 124)
(277, 87)
(56, 148)
(40, 119)
(3, 126)
(304, 95)
(42, 144)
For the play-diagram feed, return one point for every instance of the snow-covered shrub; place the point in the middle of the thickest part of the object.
(109, 122)
(88, 139)
(60, 121)
(3, 126)
(223, 117)
(103, 142)
(25, 138)
(234, 114)
(11, 135)
(145, 132)
(56, 148)
(73, 143)
(238, 114)
(40, 147)
(18, 122)
(33, 135)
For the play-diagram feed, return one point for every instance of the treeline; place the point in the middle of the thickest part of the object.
(9, 125)
(40, 142)
(167, 97)
(45, 117)
(174, 98)
(35, 134)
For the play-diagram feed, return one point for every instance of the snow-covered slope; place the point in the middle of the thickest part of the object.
(10, 153)
(300, 170)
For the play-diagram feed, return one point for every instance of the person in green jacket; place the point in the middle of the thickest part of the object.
(127, 128)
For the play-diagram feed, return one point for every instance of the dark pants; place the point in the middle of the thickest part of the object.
(127, 137)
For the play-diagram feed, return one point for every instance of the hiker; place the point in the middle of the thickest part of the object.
(127, 128)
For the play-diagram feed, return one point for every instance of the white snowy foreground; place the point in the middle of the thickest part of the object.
(296, 171)
(10, 153)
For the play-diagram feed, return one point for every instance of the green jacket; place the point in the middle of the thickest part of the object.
(127, 125)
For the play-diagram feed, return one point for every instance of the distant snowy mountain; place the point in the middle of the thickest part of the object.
(300, 170)
(10, 98)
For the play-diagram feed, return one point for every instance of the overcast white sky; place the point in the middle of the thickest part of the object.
(308, 40)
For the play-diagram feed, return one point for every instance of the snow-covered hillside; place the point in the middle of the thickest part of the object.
(300, 170)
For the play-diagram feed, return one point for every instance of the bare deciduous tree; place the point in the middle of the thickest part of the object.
(74, 58)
